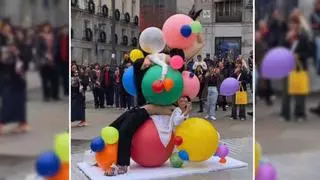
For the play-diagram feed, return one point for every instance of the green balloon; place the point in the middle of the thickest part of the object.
(61, 146)
(110, 135)
(175, 161)
(163, 98)
(196, 27)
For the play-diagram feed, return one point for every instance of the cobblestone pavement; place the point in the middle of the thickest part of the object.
(236, 134)
(17, 152)
(292, 147)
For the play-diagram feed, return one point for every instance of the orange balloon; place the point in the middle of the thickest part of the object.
(168, 84)
(63, 173)
(107, 156)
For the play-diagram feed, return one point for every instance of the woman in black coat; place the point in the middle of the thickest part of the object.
(13, 91)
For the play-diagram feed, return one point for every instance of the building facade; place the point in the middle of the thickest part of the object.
(91, 29)
(228, 27)
(33, 12)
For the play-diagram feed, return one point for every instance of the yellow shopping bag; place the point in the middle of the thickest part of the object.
(298, 82)
(241, 96)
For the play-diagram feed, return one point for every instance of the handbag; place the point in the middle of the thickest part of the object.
(298, 81)
(241, 96)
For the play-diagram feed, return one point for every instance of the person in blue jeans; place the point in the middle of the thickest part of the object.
(211, 80)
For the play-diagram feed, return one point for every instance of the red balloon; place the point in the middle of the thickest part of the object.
(157, 86)
(178, 140)
(147, 149)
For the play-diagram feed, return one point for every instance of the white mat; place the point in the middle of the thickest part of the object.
(139, 173)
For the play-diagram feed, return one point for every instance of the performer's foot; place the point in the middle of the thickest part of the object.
(111, 172)
(122, 169)
(22, 128)
(82, 124)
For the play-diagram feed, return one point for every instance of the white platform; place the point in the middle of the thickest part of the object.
(139, 173)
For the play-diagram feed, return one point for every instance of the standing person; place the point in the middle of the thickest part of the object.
(222, 100)
(108, 86)
(127, 99)
(97, 91)
(117, 86)
(297, 41)
(211, 80)
(240, 73)
(77, 98)
(25, 47)
(13, 91)
(200, 68)
(62, 57)
(208, 60)
(45, 58)
(315, 23)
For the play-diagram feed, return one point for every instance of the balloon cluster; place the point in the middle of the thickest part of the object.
(264, 171)
(222, 153)
(106, 147)
(54, 165)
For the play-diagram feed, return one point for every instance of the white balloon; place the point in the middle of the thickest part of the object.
(152, 40)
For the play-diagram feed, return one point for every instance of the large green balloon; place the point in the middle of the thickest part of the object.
(61, 146)
(163, 98)
(175, 161)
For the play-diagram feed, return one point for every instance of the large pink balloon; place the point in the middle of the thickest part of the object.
(171, 29)
(191, 84)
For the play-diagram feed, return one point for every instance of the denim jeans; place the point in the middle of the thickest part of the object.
(212, 100)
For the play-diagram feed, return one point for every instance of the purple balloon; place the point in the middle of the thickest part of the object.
(277, 63)
(266, 172)
(229, 87)
(222, 151)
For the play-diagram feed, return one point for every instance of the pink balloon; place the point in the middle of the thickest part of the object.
(172, 32)
(191, 84)
(176, 62)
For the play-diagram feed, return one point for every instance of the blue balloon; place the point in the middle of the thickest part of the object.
(183, 155)
(97, 144)
(186, 31)
(48, 164)
(128, 81)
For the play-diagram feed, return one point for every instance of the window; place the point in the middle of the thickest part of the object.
(124, 32)
(101, 53)
(228, 47)
(229, 11)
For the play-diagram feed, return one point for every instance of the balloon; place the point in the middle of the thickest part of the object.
(136, 54)
(257, 155)
(191, 85)
(97, 144)
(128, 81)
(147, 148)
(176, 62)
(168, 84)
(178, 141)
(107, 156)
(184, 155)
(157, 86)
(266, 172)
(222, 151)
(110, 135)
(175, 161)
(186, 31)
(196, 27)
(229, 87)
(63, 173)
(163, 98)
(200, 139)
(61, 146)
(47, 164)
(172, 32)
(152, 40)
(277, 63)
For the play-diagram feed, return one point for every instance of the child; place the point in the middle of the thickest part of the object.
(129, 122)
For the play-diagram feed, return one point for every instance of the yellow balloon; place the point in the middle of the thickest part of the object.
(136, 54)
(199, 139)
(110, 135)
(61, 146)
(257, 155)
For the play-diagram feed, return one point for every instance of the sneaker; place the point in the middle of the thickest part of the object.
(231, 118)
(207, 117)
(213, 118)
(201, 111)
(242, 119)
(301, 119)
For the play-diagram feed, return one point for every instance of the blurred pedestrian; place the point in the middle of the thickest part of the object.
(200, 68)
(108, 86)
(117, 86)
(211, 80)
(98, 93)
(46, 63)
(13, 91)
